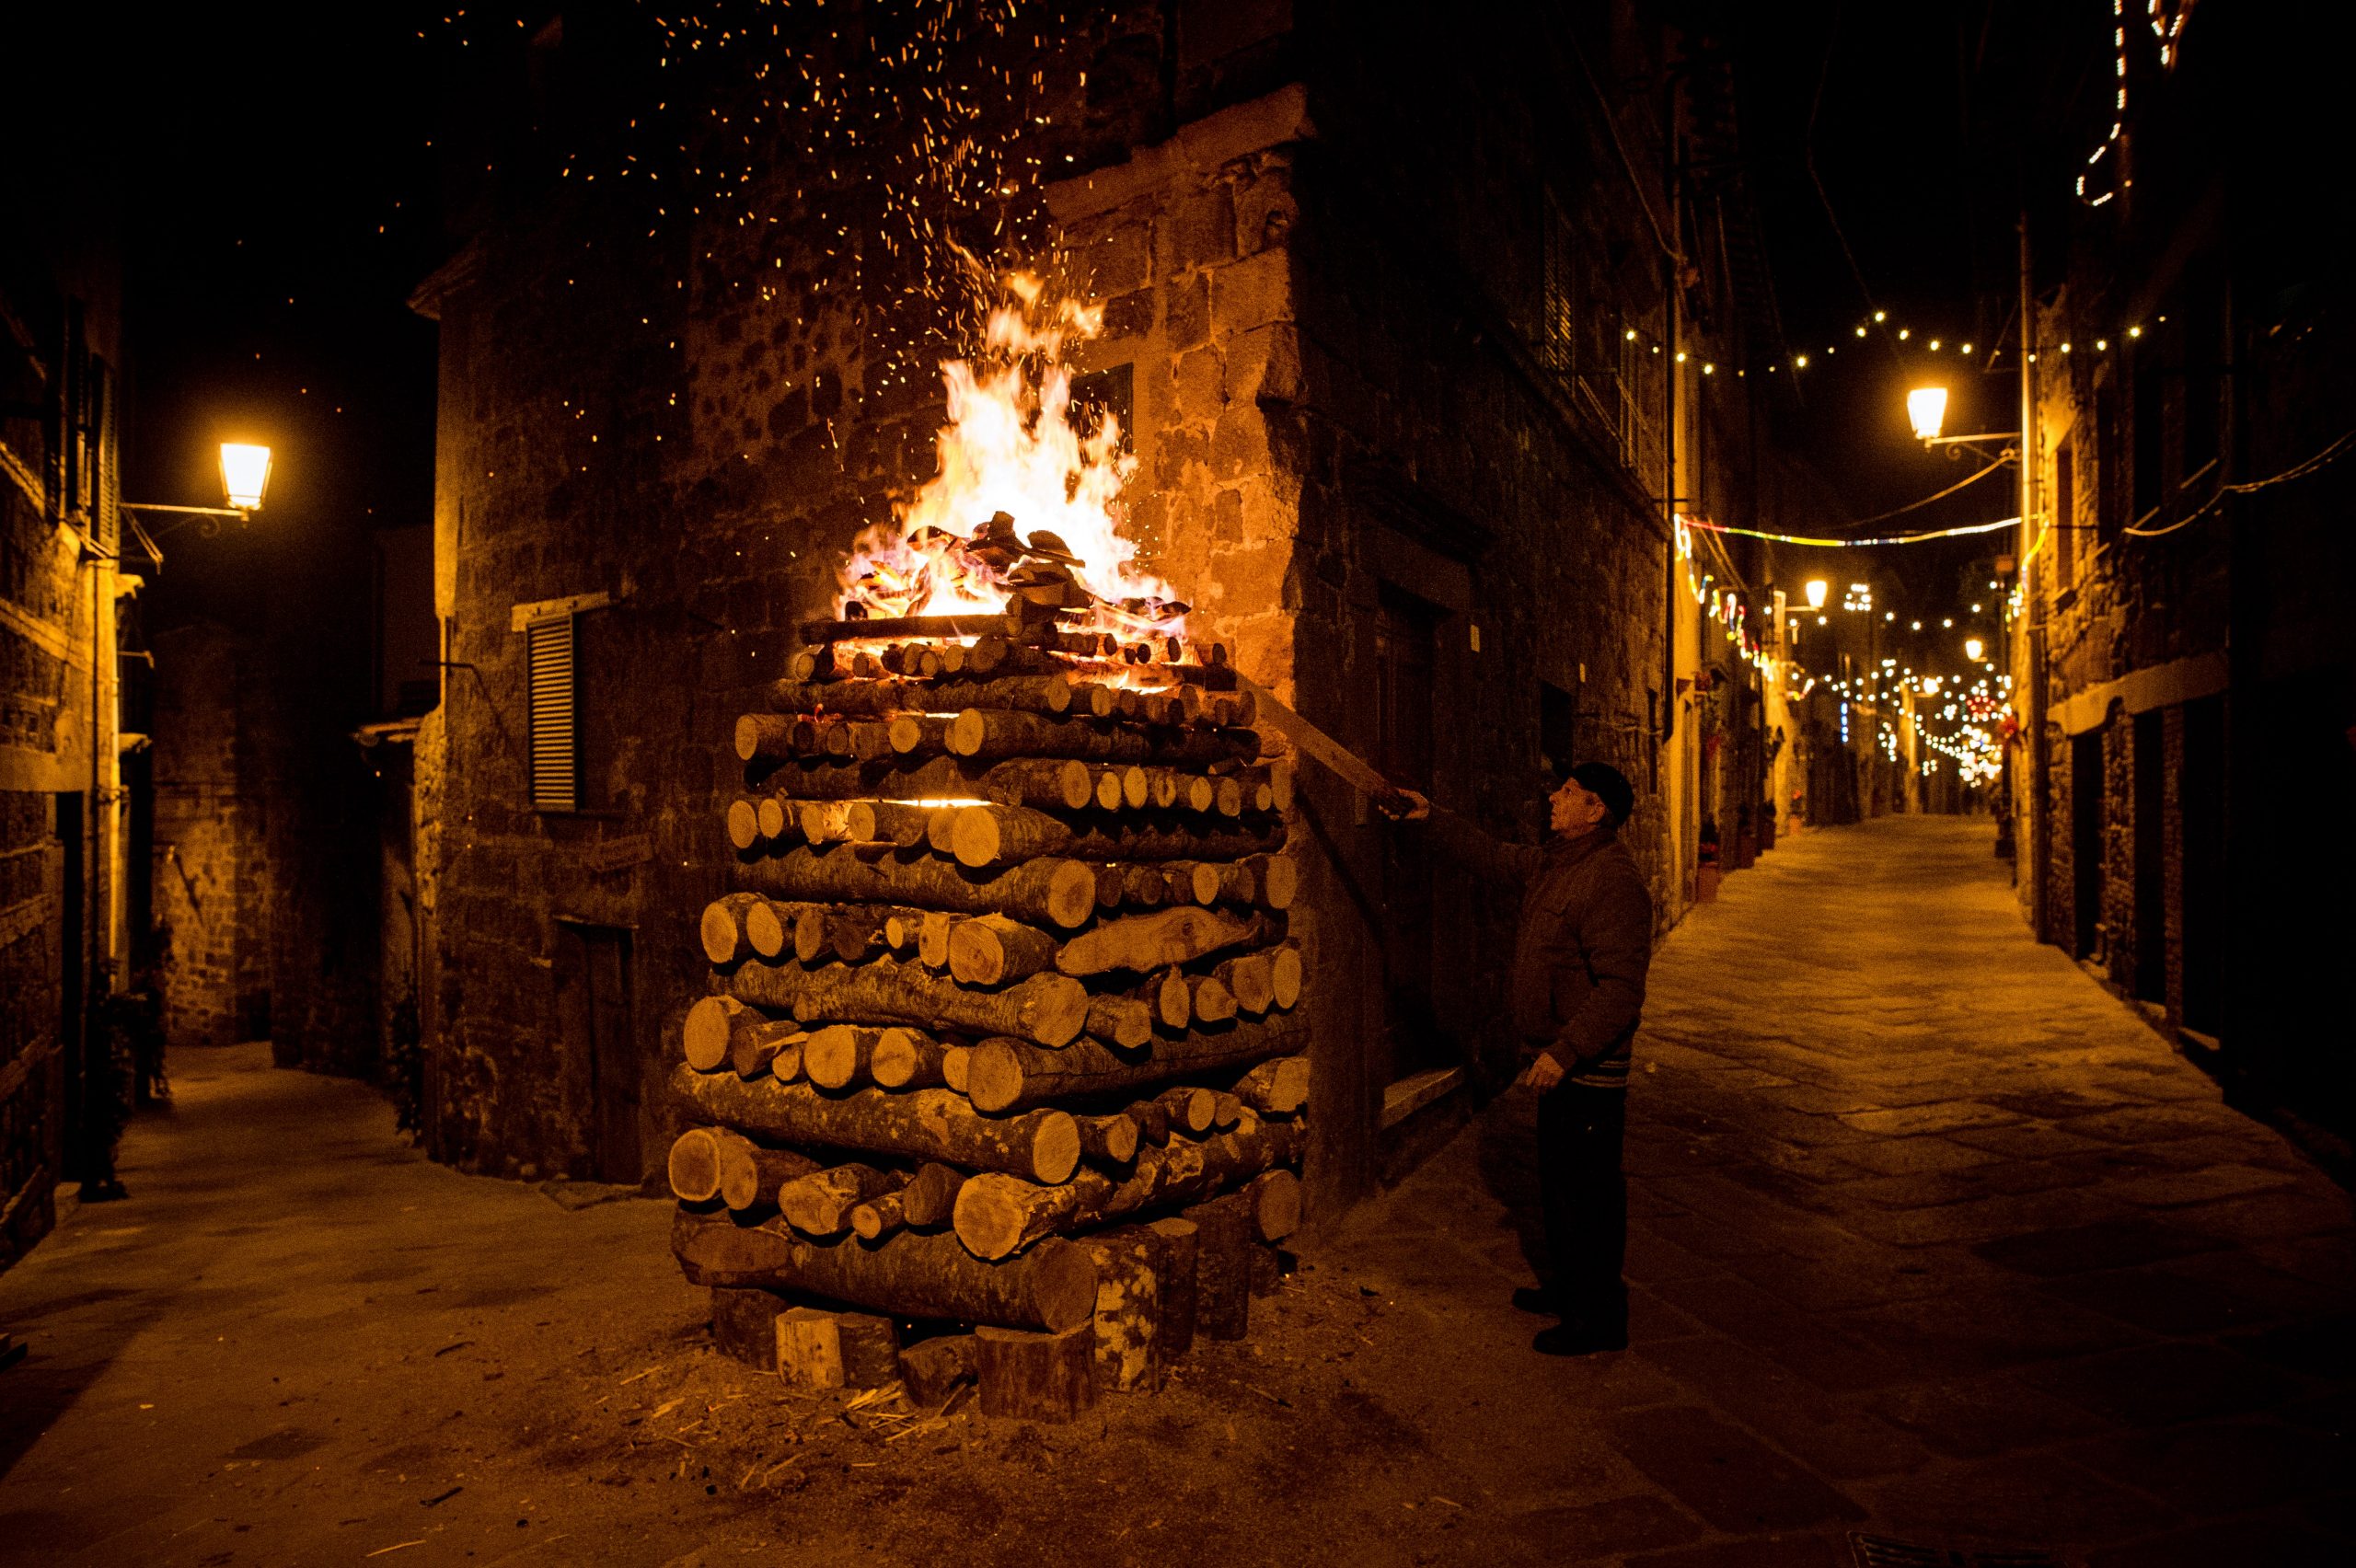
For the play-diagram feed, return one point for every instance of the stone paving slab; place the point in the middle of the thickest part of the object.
(1960, 1264)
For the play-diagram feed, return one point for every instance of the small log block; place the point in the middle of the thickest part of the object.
(1000, 836)
(910, 1273)
(1108, 791)
(895, 823)
(1274, 1198)
(931, 1370)
(1192, 1110)
(1048, 1378)
(1129, 1309)
(1213, 1002)
(722, 928)
(744, 824)
(819, 1203)
(906, 1058)
(925, 1123)
(1223, 1267)
(766, 928)
(1153, 1122)
(1003, 1074)
(1111, 887)
(1144, 943)
(1049, 1009)
(1172, 1000)
(704, 1036)
(879, 1216)
(991, 950)
(1048, 892)
(757, 1045)
(744, 1324)
(1279, 878)
(1175, 1263)
(1123, 1021)
(933, 938)
(1144, 887)
(838, 1056)
(751, 1175)
(693, 1166)
(1250, 980)
(1268, 1268)
(817, 1349)
(956, 1061)
(1285, 975)
(1108, 1141)
(930, 1197)
(1278, 1088)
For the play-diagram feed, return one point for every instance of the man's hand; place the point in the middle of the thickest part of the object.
(1404, 805)
(1543, 1074)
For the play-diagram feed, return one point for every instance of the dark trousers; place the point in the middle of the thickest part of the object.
(1584, 1197)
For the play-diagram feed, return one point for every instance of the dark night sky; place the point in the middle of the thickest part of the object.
(280, 201)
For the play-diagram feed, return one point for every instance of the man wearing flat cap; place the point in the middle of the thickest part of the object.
(1577, 988)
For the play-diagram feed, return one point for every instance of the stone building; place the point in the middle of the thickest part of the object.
(2189, 687)
(1414, 338)
(64, 816)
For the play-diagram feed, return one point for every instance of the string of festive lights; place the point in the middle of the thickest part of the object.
(1817, 542)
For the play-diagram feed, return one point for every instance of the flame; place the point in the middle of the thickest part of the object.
(1022, 498)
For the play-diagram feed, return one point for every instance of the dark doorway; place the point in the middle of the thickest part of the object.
(596, 1021)
(2151, 857)
(73, 991)
(2086, 841)
(1405, 632)
(2201, 807)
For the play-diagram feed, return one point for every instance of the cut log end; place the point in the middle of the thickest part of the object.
(1275, 1204)
(694, 1166)
(705, 1034)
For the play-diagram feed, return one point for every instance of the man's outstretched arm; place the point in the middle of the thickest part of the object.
(1487, 854)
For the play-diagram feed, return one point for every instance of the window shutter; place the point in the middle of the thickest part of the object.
(556, 748)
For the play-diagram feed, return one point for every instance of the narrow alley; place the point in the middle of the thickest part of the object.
(1918, 1258)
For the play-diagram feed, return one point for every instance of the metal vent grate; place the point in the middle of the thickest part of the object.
(1881, 1552)
(556, 748)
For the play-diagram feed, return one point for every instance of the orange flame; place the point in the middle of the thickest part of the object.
(1010, 447)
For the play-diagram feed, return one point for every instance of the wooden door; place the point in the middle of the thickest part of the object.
(597, 1021)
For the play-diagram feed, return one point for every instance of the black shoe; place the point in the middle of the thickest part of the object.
(1538, 1299)
(1579, 1339)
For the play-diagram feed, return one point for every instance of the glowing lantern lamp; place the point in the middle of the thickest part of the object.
(245, 474)
(1817, 589)
(1926, 409)
(1973, 647)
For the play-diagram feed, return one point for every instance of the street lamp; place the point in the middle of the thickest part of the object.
(1973, 647)
(244, 475)
(1817, 590)
(1926, 409)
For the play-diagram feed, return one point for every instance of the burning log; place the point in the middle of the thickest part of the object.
(925, 1123)
(1049, 1009)
(910, 1273)
(1044, 892)
(1143, 943)
(1003, 1075)
(999, 732)
(1004, 624)
(998, 1215)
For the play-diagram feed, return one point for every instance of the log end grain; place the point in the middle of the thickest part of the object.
(1285, 975)
(1055, 1147)
(932, 1369)
(719, 932)
(1275, 1204)
(763, 930)
(1060, 1279)
(743, 823)
(694, 1166)
(705, 1034)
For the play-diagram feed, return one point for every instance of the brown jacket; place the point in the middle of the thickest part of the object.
(1582, 947)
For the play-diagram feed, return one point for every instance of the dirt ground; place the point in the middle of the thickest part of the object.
(1913, 1256)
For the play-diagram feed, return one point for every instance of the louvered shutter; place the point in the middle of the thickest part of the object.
(556, 748)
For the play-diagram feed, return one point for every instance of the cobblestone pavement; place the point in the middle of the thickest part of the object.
(1931, 1239)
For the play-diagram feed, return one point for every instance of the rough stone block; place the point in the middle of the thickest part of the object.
(1199, 380)
(1186, 311)
(1264, 210)
(1264, 364)
(1202, 231)
(1252, 292)
(1239, 443)
(1118, 261)
(1129, 316)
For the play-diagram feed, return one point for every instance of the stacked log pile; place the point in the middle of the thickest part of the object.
(999, 1074)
